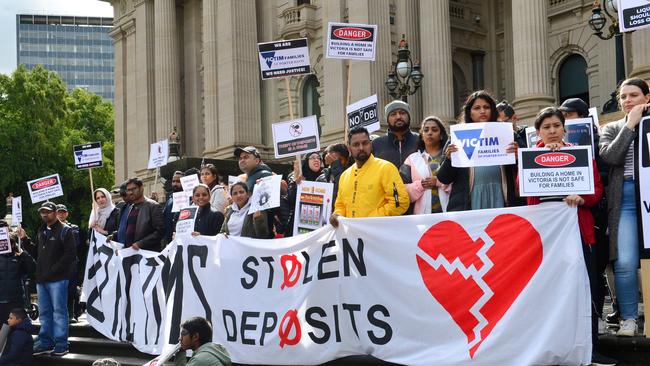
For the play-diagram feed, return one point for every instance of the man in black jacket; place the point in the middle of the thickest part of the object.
(56, 252)
(13, 267)
(399, 142)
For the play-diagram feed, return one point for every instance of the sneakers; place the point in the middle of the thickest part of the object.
(599, 360)
(59, 351)
(613, 318)
(628, 328)
(38, 350)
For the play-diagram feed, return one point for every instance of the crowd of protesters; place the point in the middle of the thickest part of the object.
(401, 172)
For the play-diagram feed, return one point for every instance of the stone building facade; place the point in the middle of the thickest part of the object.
(193, 65)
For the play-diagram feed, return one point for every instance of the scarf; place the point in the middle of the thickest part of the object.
(98, 214)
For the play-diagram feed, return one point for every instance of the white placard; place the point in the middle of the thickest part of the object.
(158, 154)
(295, 137)
(44, 188)
(284, 58)
(5, 244)
(593, 113)
(88, 155)
(364, 113)
(351, 41)
(543, 172)
(482, 144)
(232, 179)
(313, 206)
(643, 184)
(633, 14)
(16, 210)
(579, 132)
(188, 183)
(266, 194)
(531, 137)
(180, 201)
(186, 218)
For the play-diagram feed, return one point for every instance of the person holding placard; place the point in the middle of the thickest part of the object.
(419, 170)
(549, 125)
(208, 220)
(13, 267)
(310, 170)
(399, 142)
(218, 194)
(484, 186)
(168, 215)
(336, 159)
(617, 148)
(104, 216)
(238, 222)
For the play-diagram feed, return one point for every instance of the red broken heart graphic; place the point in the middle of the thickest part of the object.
(516, 254)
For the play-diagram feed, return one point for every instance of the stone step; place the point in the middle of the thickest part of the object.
(629, 351)
(85, 359)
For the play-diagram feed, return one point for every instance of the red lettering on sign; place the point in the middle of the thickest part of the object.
(184, 214)
(44, 183)
(352, 34)
(553, 159)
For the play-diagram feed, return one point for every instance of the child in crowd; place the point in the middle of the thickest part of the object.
(18, 350)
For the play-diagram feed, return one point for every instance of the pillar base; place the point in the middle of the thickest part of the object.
(528, 106)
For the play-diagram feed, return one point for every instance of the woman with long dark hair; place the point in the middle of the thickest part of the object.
(239, 222)
(218, 193)
(208, 220)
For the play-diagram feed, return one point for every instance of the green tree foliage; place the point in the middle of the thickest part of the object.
(40, 121)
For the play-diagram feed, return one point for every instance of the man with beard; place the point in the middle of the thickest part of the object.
(399, 142)
(371, 187)
(170, 224)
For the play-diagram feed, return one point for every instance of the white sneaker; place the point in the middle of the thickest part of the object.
(628, 328)
(602, 326)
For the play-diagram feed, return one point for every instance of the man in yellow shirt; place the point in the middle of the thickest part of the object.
(371, 186)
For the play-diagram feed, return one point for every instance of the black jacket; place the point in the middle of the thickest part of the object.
(12, 269)
(56, 253)
(18, 350)
(396, 151)
(113, 221)
(261, 171)
(150, 224)
(208, 221)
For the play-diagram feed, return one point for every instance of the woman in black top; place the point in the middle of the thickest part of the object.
(208, 220)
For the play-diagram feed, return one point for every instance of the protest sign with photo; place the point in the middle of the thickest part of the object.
(266, 194)
(16, 210)
(482, 144)
(364, 113)
(351, 41)
(180, 200)
(633, 14)
(295, 137)
(186, 218)
(44, 188)
(643, 185)
(313, 206)
(88, 155)
(531, 137)
(543, 172)
(579, 132)
(284, 58)
(188, 183)
(158, 154)
(5, 244)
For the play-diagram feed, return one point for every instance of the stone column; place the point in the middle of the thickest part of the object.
(267, 31)
(641, 54)
(334, 84)
(210, 101)
(167, 69)
(145, 83)
(438, 83)
(478, 79)
(119, 104)
(529, 41)
(136, 158)
(193, 130)
(408, 24)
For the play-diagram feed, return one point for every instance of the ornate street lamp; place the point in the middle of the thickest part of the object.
(405, 76)
(597, 22)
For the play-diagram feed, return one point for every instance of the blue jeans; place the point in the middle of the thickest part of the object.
(53, 308)
(625, 267)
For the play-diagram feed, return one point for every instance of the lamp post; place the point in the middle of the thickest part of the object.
(405, 77)
(597, 23)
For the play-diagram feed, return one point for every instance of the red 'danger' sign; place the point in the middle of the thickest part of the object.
(543, 172)
(351, 41)
(45, 188)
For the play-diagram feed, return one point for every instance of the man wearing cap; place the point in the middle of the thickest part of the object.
(74, 309)
(399, 142)
(574, 108)
(250, 162)
(56, 251)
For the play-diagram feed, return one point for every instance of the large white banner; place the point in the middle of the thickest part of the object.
(452, 289)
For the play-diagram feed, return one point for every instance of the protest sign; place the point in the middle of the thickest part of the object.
(364, 113)
(643, 185)
(531, 137)
(5, 244)
(284, 58)
(266, 194)
(295, 137)
(158, 154)
(188, 183)
(44, 188)
(313, 206)
(445, 289)
(482, 144)
(543, 172)
(633, 14)
(232, 179)
(88, 155)
(180, 200)
(16, 210)
(593, 113)
(186, 218)
(579, 132)
(351, 41)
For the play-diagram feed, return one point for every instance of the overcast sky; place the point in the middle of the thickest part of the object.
(9, 9)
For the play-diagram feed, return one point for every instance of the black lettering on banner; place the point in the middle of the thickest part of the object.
(337, 330)
(153, 262)
(358, 260)
(245, 326)
(309, 318)
(249, 271)
(95, 294)
(306, 279)
(388, 331)
(266, 327)
(227, 314)
(325, 259)
(268, 261)
(200, 251)
(646, 204)
(352, 308)
(290, 322)
(127, 264)
(172, 278)
(118, 296)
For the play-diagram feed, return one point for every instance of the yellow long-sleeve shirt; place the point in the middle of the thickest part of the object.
(374, 190)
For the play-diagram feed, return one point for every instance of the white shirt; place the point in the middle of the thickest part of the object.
(237, 218)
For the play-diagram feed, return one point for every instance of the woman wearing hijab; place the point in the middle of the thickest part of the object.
(311, 169)
(104, 217)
